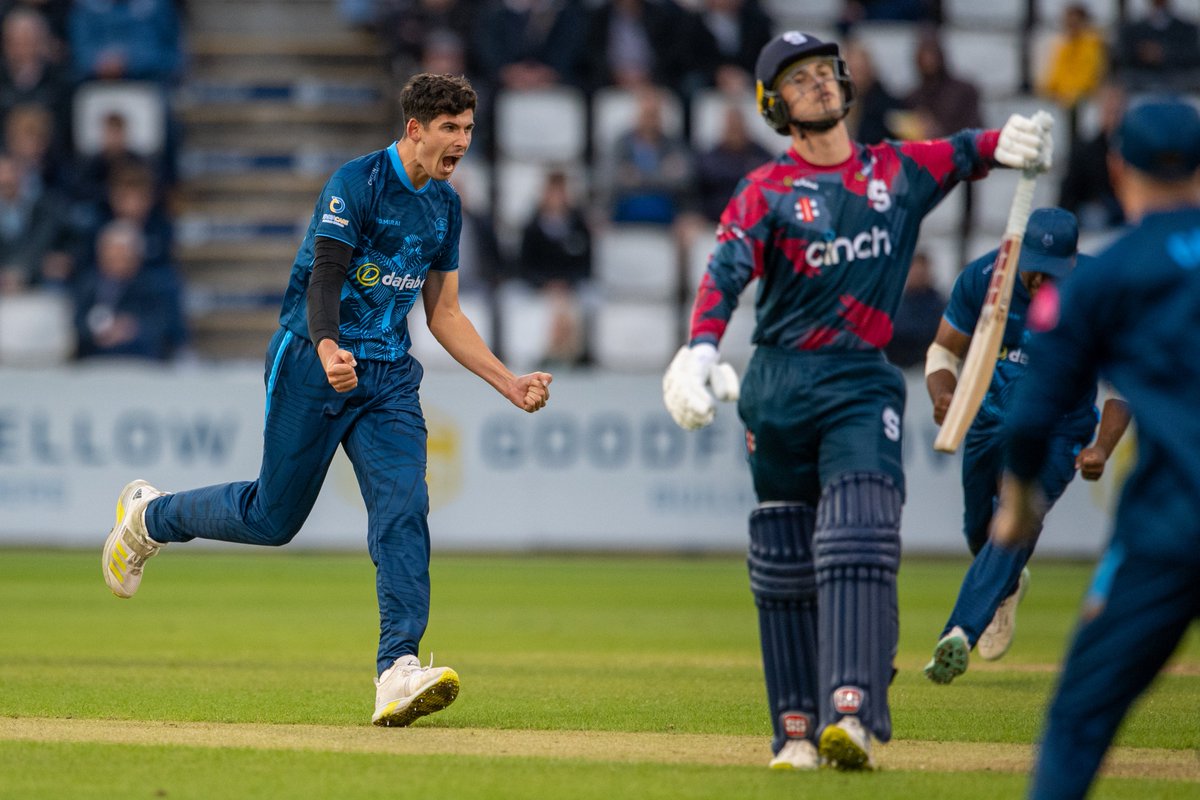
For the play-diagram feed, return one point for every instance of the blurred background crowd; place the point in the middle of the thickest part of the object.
(160, 158)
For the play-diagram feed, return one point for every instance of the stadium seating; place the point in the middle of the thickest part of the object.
(141, 103)
(708, 120)
(542, 124)
(637, 261)
(613, 113)
(636, 335)
(36, 329)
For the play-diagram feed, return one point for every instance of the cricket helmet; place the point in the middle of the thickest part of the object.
(773, 62)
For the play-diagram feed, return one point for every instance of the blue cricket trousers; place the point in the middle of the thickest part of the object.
(995, 571)
(1136, 612)
(382, 429)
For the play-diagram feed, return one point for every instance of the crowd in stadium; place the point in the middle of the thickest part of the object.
(95, 221)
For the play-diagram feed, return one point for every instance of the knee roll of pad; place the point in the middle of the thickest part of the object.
(781, 558)
(857, 553)
(784, 584)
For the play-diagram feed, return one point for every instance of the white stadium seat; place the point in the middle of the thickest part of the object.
(36, 329)
(708, 122)
(892, 46)
(541, 124)
(633, 260)
(1006, 14)
(613, 113)
(141, 103)
(518, 187)
(636, 336)
(989, 59)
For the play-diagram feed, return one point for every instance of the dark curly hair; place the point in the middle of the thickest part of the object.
(427, 96)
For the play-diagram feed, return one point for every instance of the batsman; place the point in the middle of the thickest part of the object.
(828, 229)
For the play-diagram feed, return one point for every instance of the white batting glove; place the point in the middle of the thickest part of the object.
(686, 382)
(1026, 142)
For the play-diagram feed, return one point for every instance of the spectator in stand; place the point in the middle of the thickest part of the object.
(530, 44)
(29, 138)
(941, 105)
(29, 73)
(32, 233)
(1077, 65)
(633, 43)
(719, 170)
(125, 40)
(1158, 51)
(134, 195)
(942, 102)
(856, 11)
(122, 309)
(1087, 189)
(728, 35)
(55, 12)
(652, 174)
(556, 260)
(408, 26)
(93, 172)
(874, 105)
(916, 321)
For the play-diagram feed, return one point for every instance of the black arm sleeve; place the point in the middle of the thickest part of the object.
(330, 263)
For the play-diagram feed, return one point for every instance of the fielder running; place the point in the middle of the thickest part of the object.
(984, 616)
(829, 229)
(338, 372)
(1132, 317)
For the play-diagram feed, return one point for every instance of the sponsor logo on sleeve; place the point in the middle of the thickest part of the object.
(336, 206)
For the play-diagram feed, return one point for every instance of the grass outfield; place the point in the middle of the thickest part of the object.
(248, 674)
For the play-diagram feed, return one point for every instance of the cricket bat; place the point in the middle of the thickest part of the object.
(980, 362)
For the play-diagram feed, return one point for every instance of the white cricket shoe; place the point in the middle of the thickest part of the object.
(406, 691)
(129, 546)
(950, 657)
(847, 745)
(796, 754)
(998, 635)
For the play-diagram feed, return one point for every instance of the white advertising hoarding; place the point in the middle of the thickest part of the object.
(602, 467)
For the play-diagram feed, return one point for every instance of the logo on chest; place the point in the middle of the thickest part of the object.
(877, 195)
(806, 209)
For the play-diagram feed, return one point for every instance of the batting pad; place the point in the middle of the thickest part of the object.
(784, 584)
(857, 549)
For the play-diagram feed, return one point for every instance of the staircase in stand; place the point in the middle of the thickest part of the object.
(276, 97)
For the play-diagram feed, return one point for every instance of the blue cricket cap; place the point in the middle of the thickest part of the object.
(1049, 246)
(1160, 137)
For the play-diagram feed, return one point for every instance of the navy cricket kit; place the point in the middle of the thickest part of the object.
(831, 248)
(397, 234)
(995, 571)
(983, 461)
(1133, 317)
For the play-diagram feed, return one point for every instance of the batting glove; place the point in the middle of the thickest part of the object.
(1026, 142)
(691, 373)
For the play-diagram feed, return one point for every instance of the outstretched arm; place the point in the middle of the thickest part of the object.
(455, 332)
